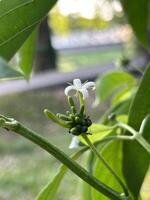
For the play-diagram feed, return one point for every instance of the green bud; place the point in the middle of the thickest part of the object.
(64, 117)
(89, 122)
(68, 113)
(69, 124)
(2, 121)
(84, 122)
(84, 129)
(78, 120)
(75, 131)
(50, 115)
(71, 101)
(82, 110)
(73, 109)
(72, 117)
(79, 128)
(57, 115)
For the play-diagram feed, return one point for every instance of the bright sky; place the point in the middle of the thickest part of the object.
(86, 8)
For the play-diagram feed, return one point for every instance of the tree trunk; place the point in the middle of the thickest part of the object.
(45, 53)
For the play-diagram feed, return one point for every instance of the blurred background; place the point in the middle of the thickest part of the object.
(79, 39)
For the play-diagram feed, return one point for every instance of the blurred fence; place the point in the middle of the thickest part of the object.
(92, 38)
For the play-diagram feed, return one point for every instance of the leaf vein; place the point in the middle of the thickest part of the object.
(19, 32)
(15, 8)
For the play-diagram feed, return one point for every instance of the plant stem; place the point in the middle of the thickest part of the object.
(143, 142)
(136, 136)
(119, 137)
(15, 126)
(128, 128)
(91, 145)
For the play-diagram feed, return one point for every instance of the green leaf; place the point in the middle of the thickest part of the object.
(86, 188)
(86, 191)
(138, 16)
(113, 155)
(26, 55)
(50, 190)
(135, 159)
(98, 132)
(122, 118)
(113, 82)
(7, 72)
(123, 95)
(18, 18)
(145, 127)
(122, 108)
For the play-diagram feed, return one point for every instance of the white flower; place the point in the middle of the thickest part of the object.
(79, 87)
(74, 143)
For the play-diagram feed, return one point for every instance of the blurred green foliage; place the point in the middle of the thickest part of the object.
(62, 24)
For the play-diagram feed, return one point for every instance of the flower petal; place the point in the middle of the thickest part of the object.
(74, 143)
(89, 85)
(68, 89)
(85, 93)
(77, 83)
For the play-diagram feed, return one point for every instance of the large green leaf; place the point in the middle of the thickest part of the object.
(112, 83)
(113, 155)
(18, 18)
(98, 132)
(135, 159)
(7, 72)
(138, 16)
(26, 55)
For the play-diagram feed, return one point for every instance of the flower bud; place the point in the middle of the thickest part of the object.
(78, 120)
(82, 110)
(73, 109)
(84, 129)
(79, 128)
(72, 117)
(70, 101)
(63, 117)
(84, 123)
(89, 122)
(68, 113)
(74, 131)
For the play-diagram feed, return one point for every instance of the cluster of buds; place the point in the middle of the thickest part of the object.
(78, 122)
